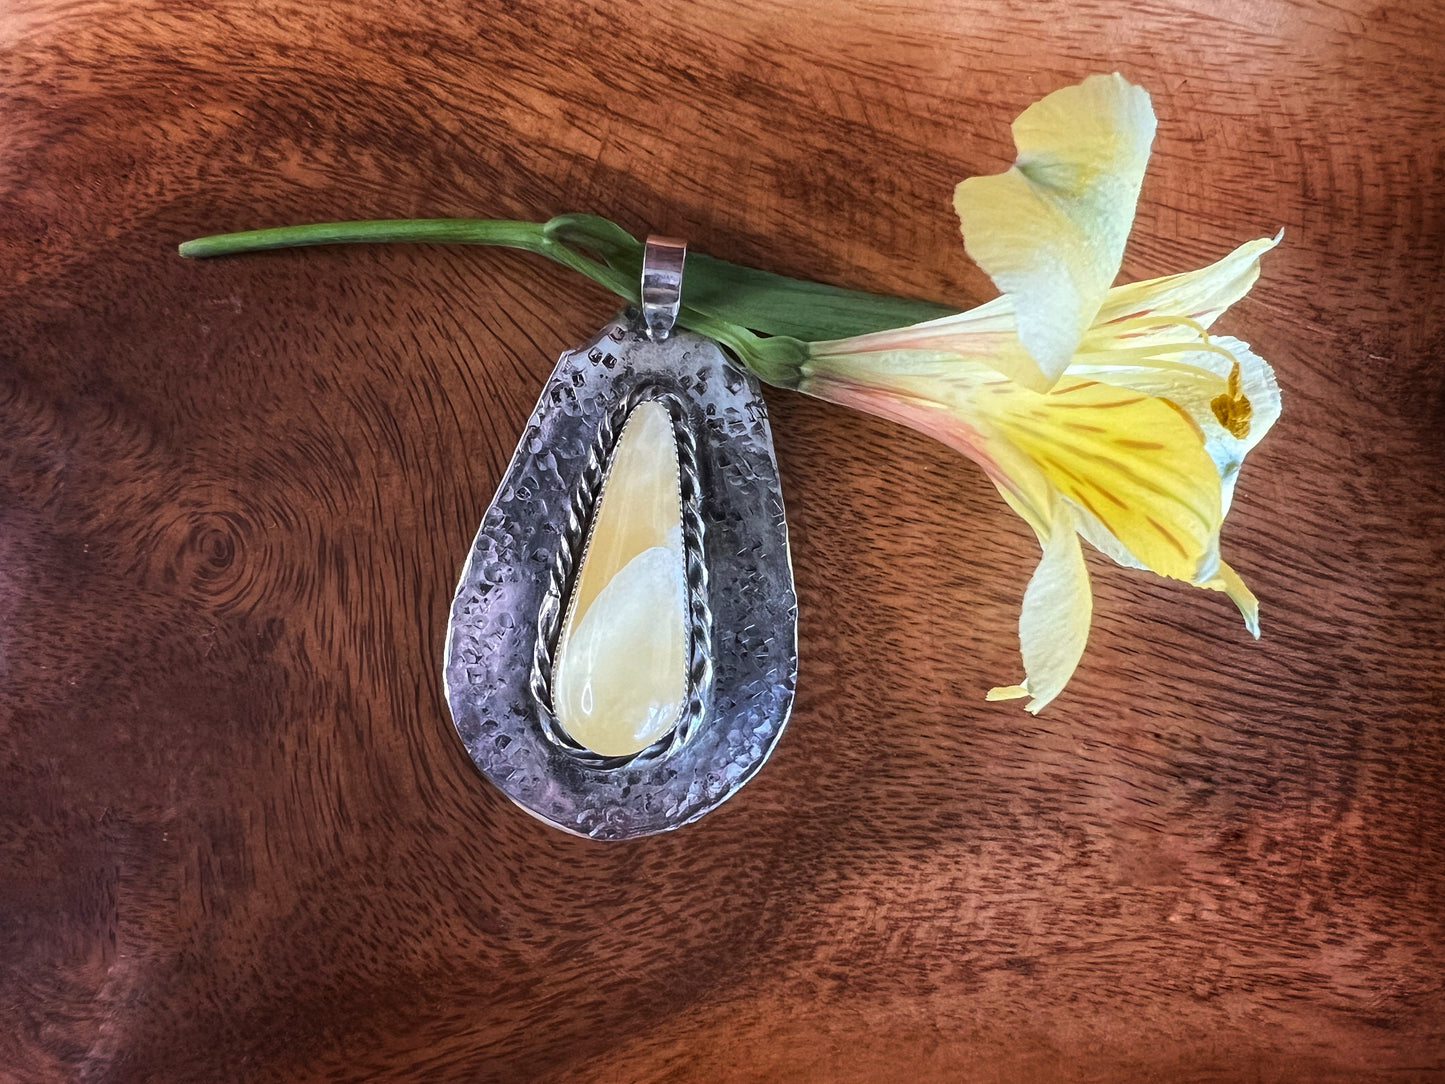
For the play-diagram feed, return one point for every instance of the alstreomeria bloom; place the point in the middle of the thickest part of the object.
(1106, 413)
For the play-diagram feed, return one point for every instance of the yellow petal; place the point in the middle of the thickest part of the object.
(1054, 624)
(1194, 393)
(1229, 582)
(1136, 464)
(981, 333)
(1050, 231)
(1199, 296)
(1007, 692)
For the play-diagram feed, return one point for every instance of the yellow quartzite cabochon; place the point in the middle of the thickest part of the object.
(620, 676)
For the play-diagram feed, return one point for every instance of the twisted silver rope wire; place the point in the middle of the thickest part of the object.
(572, 548)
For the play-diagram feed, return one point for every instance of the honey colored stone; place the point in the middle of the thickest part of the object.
(620, 676)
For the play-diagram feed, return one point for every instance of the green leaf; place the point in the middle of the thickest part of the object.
(759, 300)
(778, 305)
(606, 238)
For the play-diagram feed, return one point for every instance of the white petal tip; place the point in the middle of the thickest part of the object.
(1229, 581)
(1018, 692)
(1007, 692)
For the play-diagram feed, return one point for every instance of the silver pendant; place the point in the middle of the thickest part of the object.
(622, 648)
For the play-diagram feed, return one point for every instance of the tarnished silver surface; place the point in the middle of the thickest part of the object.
(510, 585)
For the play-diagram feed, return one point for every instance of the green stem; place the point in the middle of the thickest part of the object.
(542, 238)
(529, 236)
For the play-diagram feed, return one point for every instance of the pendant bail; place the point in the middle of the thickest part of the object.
(662, 260)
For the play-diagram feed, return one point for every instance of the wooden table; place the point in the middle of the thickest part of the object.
(239, 839)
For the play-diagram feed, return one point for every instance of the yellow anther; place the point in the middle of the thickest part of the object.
(1233, 409)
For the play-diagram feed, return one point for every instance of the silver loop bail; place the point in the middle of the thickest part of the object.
(662, 260)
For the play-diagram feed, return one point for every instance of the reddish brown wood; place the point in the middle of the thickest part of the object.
(238, 836)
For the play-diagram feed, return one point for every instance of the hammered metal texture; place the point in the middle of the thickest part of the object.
(493, 632)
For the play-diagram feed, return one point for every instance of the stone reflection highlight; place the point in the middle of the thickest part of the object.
(620, 675)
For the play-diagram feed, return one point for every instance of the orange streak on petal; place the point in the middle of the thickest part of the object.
(1186, 416)
(1088, 505)
(1139, 445)
(1168, 536)
(1097, 406)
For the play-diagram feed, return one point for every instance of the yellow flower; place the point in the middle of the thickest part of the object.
(1109, 413)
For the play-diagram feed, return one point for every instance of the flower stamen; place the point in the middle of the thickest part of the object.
(1156, 352)
(1233, 409)
(1156, 320)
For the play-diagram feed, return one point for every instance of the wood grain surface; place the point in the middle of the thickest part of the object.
(239, 838)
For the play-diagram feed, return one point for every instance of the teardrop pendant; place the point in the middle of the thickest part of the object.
(562, 596)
